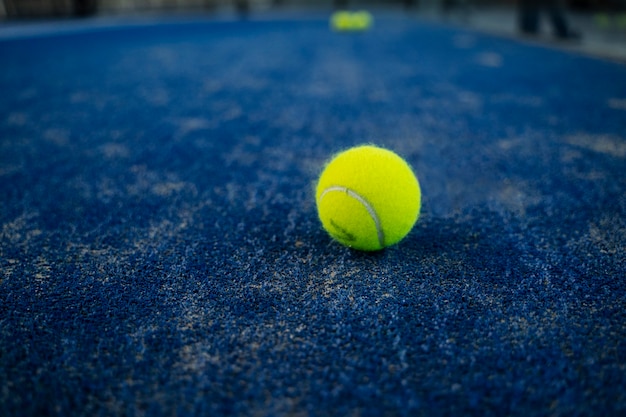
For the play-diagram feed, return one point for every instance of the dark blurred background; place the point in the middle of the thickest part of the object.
(65, 8)
(595, 27)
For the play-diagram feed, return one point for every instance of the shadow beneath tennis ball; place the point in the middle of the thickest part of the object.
(369, 255)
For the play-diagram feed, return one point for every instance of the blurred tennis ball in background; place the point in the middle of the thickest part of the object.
(344, 20)
(361, 20)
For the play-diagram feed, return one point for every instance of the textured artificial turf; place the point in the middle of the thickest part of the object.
(160, 252)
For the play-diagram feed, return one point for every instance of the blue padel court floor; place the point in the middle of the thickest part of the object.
(161, 254)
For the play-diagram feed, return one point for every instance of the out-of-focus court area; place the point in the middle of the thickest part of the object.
(160, 248)
(602, 23)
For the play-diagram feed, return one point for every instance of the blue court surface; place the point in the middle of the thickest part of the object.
(161, 254)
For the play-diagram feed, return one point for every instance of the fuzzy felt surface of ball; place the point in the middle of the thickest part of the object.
(368, 198)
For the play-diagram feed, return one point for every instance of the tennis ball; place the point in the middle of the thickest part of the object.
(368, 198)
(341, 20)
(344, 20)
(361, 20)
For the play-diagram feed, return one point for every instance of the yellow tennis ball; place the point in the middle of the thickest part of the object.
(344, 20)
(341, 20)
(368, 198)
(361, 20)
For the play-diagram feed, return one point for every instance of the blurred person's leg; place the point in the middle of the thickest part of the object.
(556, 9)
(529, 15)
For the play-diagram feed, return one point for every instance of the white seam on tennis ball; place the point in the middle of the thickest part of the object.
(365, 203)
